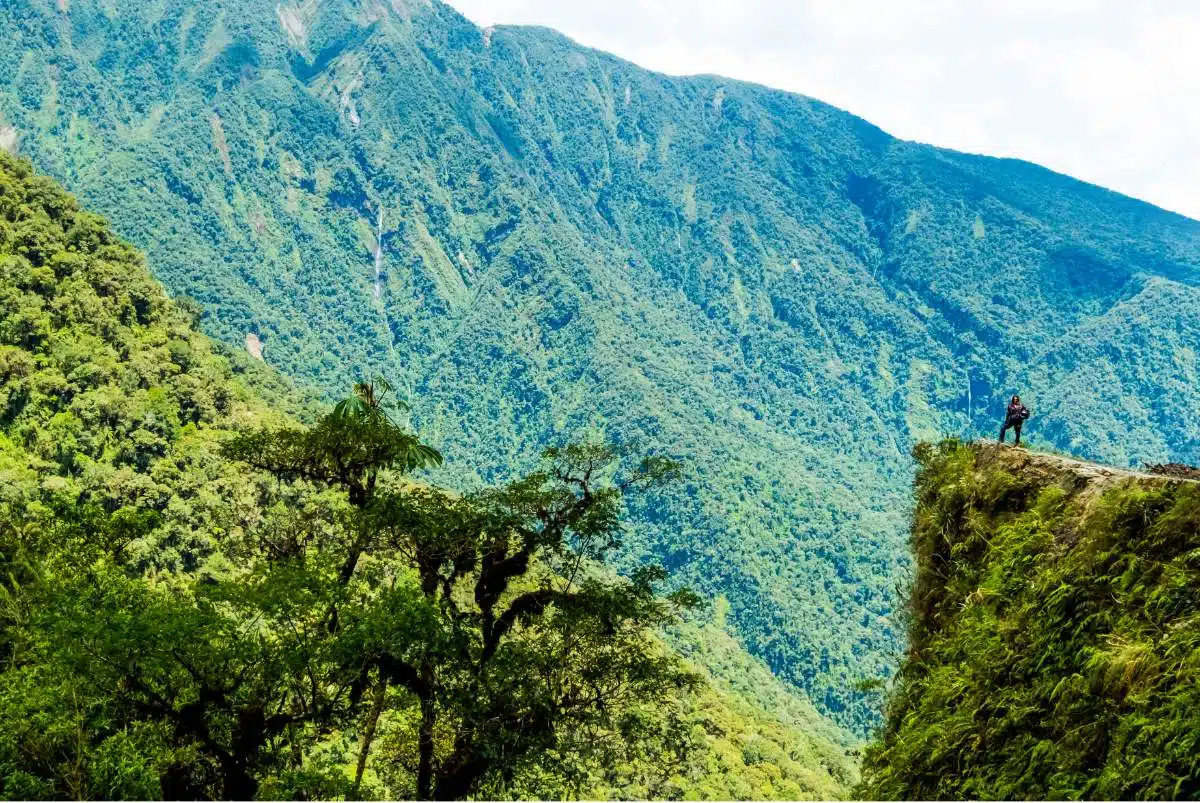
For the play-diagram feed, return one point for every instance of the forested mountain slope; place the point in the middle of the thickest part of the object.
(158, 594)
(1055, 647)
(536, 240)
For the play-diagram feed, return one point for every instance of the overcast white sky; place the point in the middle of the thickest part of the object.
(1104, 90)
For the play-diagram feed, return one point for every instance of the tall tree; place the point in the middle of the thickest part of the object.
(514, 632)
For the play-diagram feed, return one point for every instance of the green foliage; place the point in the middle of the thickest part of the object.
(101, 422)
(540, 243)
(498, 633)
(348, 448)
(1054, 643)
(202, 597)
(741, 735)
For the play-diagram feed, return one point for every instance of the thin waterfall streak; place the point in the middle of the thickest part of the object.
(379, 254)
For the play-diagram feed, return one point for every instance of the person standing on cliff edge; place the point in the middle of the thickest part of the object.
(1014, 417)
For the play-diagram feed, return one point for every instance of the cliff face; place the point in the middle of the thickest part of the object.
(1054, 620)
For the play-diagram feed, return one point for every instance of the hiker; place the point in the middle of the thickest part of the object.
(1014, 417)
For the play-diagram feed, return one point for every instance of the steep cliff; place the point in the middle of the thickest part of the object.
(1055, 633)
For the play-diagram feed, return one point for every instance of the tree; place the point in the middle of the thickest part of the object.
(490, 612)
(467, 635)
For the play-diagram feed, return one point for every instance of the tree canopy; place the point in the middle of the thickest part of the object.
(213, 587)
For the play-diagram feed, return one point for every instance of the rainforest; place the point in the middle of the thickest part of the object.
(243, 240)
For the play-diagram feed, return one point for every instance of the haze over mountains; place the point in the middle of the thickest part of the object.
(540, 242)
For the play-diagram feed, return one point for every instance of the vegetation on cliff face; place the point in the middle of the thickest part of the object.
(537, 241)
(202, 597)
(1055, 635)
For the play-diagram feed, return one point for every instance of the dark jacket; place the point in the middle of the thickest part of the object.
(1017, 413)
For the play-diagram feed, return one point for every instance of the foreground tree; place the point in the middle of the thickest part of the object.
(489, 613)
(442, 643)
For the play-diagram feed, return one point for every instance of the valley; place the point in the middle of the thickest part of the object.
(537, 243)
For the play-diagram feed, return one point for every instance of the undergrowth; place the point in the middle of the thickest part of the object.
(1055, 649)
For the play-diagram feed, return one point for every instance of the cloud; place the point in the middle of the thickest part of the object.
(1099, 89)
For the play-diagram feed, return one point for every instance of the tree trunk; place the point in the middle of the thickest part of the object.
(369, 733)
(425, 736)
(459, 781)
(238, 784)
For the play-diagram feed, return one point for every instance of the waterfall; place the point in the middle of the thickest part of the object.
(379, 254)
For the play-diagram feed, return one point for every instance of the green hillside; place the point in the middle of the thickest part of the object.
(1055, 652)
(159, 598)
(539, 242)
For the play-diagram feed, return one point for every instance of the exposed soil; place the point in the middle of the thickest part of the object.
(1084, 469)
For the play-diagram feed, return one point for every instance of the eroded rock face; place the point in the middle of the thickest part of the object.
(293, 22)
(254, 346)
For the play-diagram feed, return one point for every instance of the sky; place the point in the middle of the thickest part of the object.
(1104, 90)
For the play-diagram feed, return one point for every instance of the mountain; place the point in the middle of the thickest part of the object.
(123, 524)
(1054, 649)
(537, 242)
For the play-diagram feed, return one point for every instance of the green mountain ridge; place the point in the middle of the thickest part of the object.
(1054, 641)
(113, 411)
(772, 289)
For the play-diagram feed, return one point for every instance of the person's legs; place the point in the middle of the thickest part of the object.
(1003, 430)
(1017, 432)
